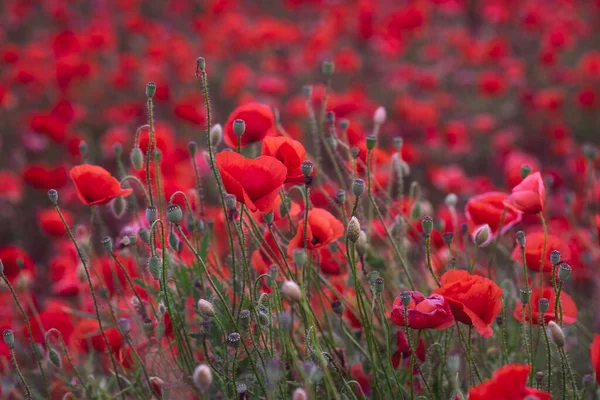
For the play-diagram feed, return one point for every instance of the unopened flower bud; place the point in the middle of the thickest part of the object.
(427, 225)
(118, 206)
(525, 296)
(362, 244)
(137, 158)
(206, 308)
(555, 257)
(233, 339)
(291, 291)
(299, 394)
(230, 202)
(201, 64)
(150, 89)
(340, 196)
(521, 238)
(451, 200)
(216, 135)
(338, 307)
(379, 116)
(557, 334)
(344, 124)
(54, 357)
(174, 214)
(173, 241)
(202, 376)
(328, 68)
(155, 266)
(564, 272)
(525, 171)
(543, 305)
(107, 243)
(144, 234)
(268, 217)
(539, 377)
(354, 152)
(9, 338)
(239, 127)
(306, 167)
(371, 141)
(358, 187)
(353, 230)
(405, 298)
(299, 256)
(53, 196)
(482, 236)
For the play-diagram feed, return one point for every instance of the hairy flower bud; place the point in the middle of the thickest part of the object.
(557, 334)
(216, 135)
(202, 377)
(353, 230)
(482, 236)
(206, 308)
(137, 158)
(362, 244)
(299, 394)
(379, 116)
(118, 206)
(54, 357)
(155, 266)
(291, 291)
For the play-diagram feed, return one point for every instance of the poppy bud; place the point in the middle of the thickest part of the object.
(216, 135)
(107, 243)
(416, 210)
(202, 376)
(192, 147)
(564, 272)
(427, 225)
(118, 206)
(54, 357)
(525, 295)
(144, 235)
(398, 142)
(150, 89)
(340, 196)
(482, 236)
(451, 200)
(521, 239)
(362, 243)
(557, 334)
(332, 142)
(448, 237)
(174, 214)
(344, 124)
(239, 127)
(284, 206)
(353, 230)
(291, 291)
(543, 305)
(379, 116)
(354, 152)
(338, 307)
(233, 339)
(405, 298)
(268, 217)
(299, 394)
(378, 285)
(155, 266)
(173, 241)
(206, 308)
(306, 167)
(245, 319)
(525, 171)
(9, 338)
(137, 158)
(589, 151)
(328, 68)
(555, 257)
(539, 377)
(299, 256)
(201, 64)
(53, 196)
(358, 187)
(124, 325)
(264, 319)
(371, 142)
(307, 91)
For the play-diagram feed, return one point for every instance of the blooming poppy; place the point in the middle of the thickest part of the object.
(534, 248)
(487, 209)
(254, 182)
(87, 332)
(474, 300)
(323, 228)
(431, 312)
(14, 260)
(595, 356)
(50, 223)
(529, 196)
(45, 177)
(259, 122)
(95, 185)
(508, 383)
(569, 308)
(290, 152)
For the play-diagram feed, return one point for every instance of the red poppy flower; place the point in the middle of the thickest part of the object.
(51, 224)
(95, 185)
(323, 228)
(14, 260)
(259, 123)
(474, 300)
(44, 177)
(432, 312)
(595, 356)
(87, 332)
(290, 152)
(508, 383)
(534, 248)
(12, 188)
(569, 308)
(487, 209)
(403, 351)
(529, 196)
(254, 182)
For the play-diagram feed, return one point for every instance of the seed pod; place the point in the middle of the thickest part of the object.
(405, 298)
(230, 202)
(521, 238)
(201, 64)
(245, 318)
(557, 334)
(9, 338)
(344, 124)
(358, 187)
(299, 256)
(564, 272)
(378, 286)
(144, 235)
(427, 225)
(239, 127)
(555, 257)
(150, 89)
(340, 196)
(107, 243)
(451, 200)
(371, 141)
(53, 196)
(543, 305)
(124, 325)
(174, 214)
(448, 237)
(233, 339)
(337, 307)
(525, 171)
(328, 68)
(525, 296)
(306, 167)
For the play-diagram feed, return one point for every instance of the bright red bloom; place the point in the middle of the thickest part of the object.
(254, 182)
(323, 228)
(14, 260)
(534, 248)
(87, 332)
(508, 383)
(44, 177)
(259, 123)
(290, 152)
(595, 356)
(50, 223)
(487, 209)
(474, 300)
(95, 185)
(432, 312)
(569, 308)
(529, 196)
(403, 351)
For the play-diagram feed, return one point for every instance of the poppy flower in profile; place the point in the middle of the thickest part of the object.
(534, 248)
(259, 120)
(95, 185)
(45, 177)
(15, 259)
(569, 308)
(487, 209)
(431, 312)
(508, 383)
(50, 223)
(290, 152)
(474, 300)
(595, 356)
(254, 182)
(529, 196)
(323, 228)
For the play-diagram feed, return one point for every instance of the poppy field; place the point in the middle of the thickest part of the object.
(300, 199)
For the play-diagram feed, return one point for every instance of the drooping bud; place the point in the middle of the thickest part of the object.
(157, 385)
(174, 214)
(379, 116)
(362, 244)
(173, 241)
(543, 305)
(521, 238)
(54, 358)
(239, 127)
(358, 187)
(107, 243)
(155, 266)
(328, 68)
(555, 257)
(564, 272)
(557, 334)
(415, 213)
(137, 158)
(118, 206)
(482, 236)
(9, 338)
(306, 167)
(202, 376)
(525, 171)
(353, 230)
(150, 89)
(230, 201)
(405, 298)
(206, 308)
(299, 256)
(371, 141)
(144, 235)
(427, 225)
(291, 291)
(53, 196)
(216, 135)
